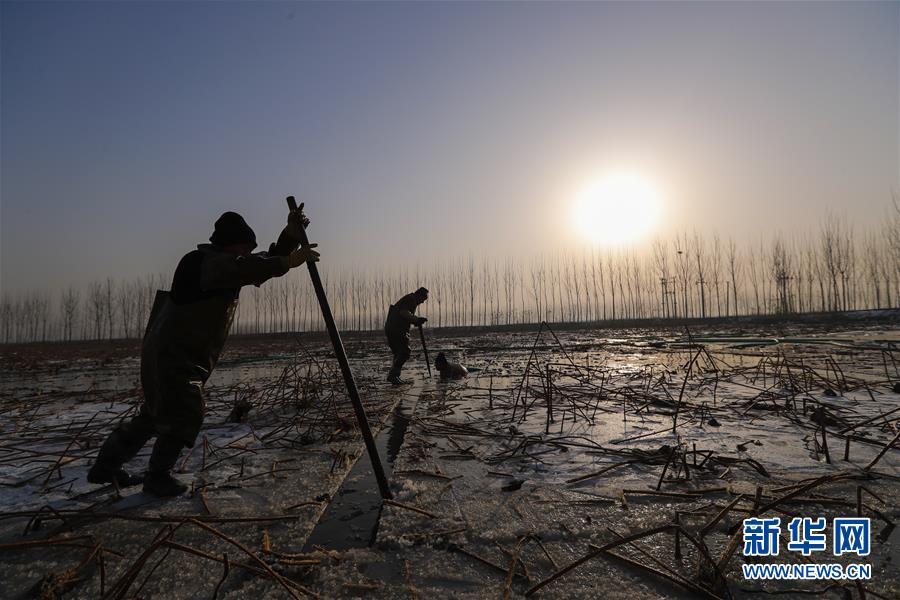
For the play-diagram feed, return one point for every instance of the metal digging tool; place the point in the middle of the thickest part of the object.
(425, 349)
(338, 346)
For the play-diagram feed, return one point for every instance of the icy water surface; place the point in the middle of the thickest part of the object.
(351, 519)
(554, 444)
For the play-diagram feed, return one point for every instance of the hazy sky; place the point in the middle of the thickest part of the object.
(413, 130)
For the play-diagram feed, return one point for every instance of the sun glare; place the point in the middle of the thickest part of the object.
(619, 209)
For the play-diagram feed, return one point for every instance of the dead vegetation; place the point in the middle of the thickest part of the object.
(532, 422)
(556, 402)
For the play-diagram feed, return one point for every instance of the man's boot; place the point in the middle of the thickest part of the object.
(117, 449)
(159, 480)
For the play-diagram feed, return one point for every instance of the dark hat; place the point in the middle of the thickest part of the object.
(422, 291)
(231, 228)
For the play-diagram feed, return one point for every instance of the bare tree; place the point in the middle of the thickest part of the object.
(682, 261)
(701, 268)
(509, 285)
(612, 270)
(661, 264)
(126, 299)
(891, 233)
(753, 271)
(585, 302)
(781, 273)
(831, 255)
(471, 280)
(715, 263)
(109, 308)
(537, 286)
(597, 284)
(872, 260)
(7, 317)
(734, 271)
(96, 308)
(69, 307)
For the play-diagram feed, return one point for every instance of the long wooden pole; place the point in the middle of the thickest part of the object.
(338, 346)
(424, 349)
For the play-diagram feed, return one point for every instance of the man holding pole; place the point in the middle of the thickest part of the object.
(399, 319)
(185, 335)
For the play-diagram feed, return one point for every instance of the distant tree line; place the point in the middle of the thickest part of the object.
(688, 276)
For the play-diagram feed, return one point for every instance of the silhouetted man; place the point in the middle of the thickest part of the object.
(399, 319)
(184, 337)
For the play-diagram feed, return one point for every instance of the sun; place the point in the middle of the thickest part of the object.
(620, 208)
